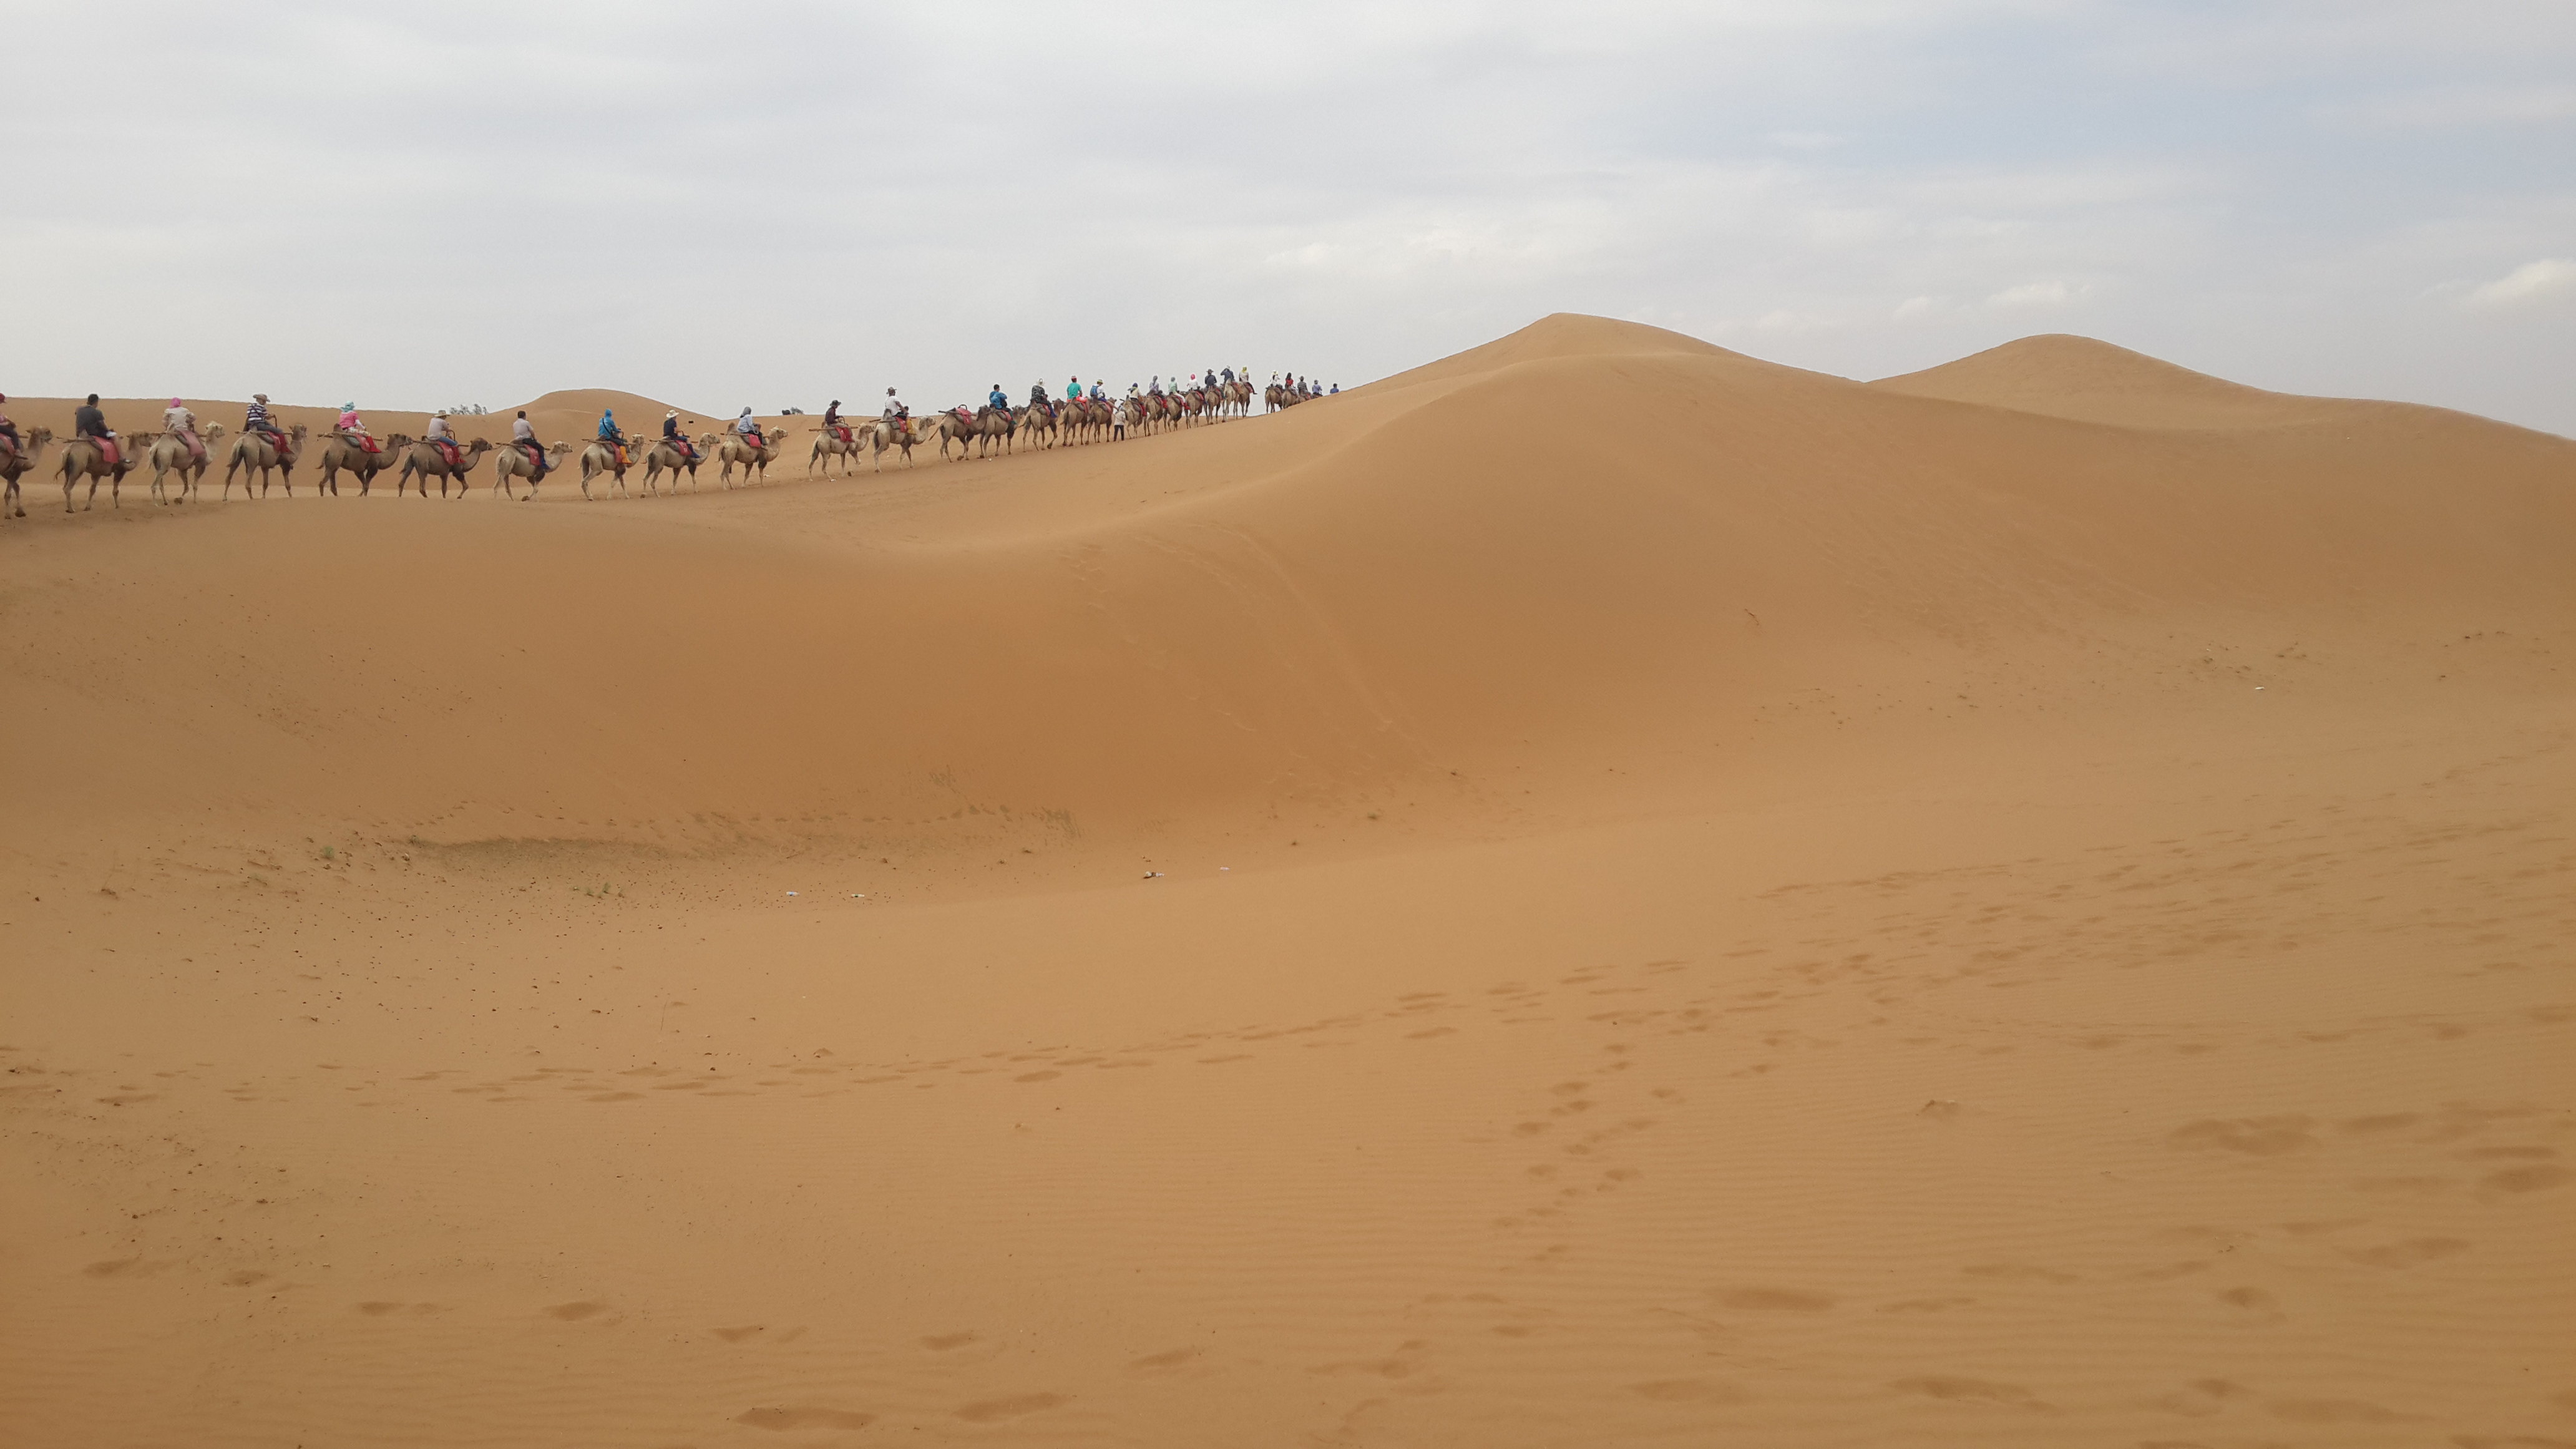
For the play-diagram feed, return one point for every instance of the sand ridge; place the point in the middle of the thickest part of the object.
(1601, 890)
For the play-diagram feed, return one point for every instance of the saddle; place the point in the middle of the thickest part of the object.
(109, 452)
(454, 455)
(680, 446)
(616, 450)
(842, 432)
(536, 453)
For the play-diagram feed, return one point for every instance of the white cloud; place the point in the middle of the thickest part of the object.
(2545, 280)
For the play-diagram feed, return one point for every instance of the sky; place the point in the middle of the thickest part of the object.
(775, 203)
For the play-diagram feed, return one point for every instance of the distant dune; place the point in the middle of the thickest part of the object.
(1599, 890)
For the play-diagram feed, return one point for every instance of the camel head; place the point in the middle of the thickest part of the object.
(558, 450)
(478, 448)
(38, 437)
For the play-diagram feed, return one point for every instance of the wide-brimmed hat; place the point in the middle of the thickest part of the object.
(259, 397)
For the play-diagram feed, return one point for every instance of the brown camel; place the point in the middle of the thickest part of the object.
(513, 462)
(736, 449)
(170, 453)
(828, 444)
(663, 458)
(344, 450)
(890, 433)
(988, 424)
(16, 463)
(424, 461)
(87, 458)
(1040, 422)
(258, 452)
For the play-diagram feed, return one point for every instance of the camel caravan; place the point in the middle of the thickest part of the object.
(180, 453)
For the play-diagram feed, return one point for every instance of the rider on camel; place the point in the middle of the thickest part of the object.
(671, 435)
(1073, 389)
(352, 425)
(832, 422)
(523, 434)
(1096, 394)
(442, 441)
(613, 435)
(8, 430)
(747, 428)
(89, 422)
(895, 411)
(182, 424)
(256, 420)
(998, 400)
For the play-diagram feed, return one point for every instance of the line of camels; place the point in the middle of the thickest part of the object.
(178, 469)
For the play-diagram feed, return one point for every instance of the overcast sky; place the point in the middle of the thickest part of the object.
(766, 202)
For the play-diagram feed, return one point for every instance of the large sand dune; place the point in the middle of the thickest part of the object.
(1698, 901)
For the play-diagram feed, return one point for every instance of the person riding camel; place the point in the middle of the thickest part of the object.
(832, 423)
(1228, 374)
(613, 435)
(1097, 395)
(895, 410)
(180, 423)
(255, 419)
(523, 434)
(8, 431)
(746, 427)
(1073, 389)
(998, 400)
(353, 426)
(442, 441)
(89, 422)
(672, 436)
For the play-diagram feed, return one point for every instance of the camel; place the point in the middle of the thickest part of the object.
(423, 461)
(1238, 398)
(737, 449)
(603, 457)
(17, 462)
(889, 433)
(87, 458)
(1040, 421)
(513, 462)
(170, 453)
(663, 458)
(255, 452)
(989, 423)
(343, 450)
(828, 446)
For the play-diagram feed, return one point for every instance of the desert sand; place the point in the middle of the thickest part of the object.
(1600, 891)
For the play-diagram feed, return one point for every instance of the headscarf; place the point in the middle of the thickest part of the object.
(174, 402)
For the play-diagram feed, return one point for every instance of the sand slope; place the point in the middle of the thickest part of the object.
(1698, 901)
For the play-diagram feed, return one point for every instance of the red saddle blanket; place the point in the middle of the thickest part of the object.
(536, 454)
(841, 431)
(366, 442)
(616, 452)
(454, 455)
(108, 450)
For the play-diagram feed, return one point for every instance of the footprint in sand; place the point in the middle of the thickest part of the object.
(1164, 1362)
(1773, 1300)
(1942, 1386)
(1013, 1406)
(804, 1418)
(1688, 1391)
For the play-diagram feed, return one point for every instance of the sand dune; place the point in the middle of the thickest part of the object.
(1696, 900)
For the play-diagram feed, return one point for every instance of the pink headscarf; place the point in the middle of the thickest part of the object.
(174, 402)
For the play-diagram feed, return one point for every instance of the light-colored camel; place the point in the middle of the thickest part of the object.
(170, 454)
(600, 457)
(736, 451)
(513, 462)
(1039, 422)
(662, 458)
(17, 463)
(87, 458)
(343, 450)
(255, 452)
(1238, 398)
(827, 445)
(889, 433)
(424, 461)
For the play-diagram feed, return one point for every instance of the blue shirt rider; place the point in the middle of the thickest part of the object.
(608, 429)
(998, 400)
